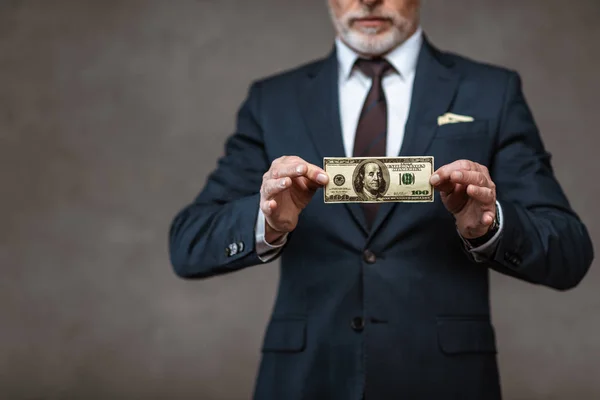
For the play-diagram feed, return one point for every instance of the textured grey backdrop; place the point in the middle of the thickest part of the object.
(113, 112)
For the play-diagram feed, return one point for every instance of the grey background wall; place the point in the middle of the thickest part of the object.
(113, 112)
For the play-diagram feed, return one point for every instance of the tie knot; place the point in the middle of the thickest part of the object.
(374, 68)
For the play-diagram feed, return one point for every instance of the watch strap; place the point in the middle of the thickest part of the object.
(480, 241)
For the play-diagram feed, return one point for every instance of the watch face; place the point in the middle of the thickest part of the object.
(496, 223)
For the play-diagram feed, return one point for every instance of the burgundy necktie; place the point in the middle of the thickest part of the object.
(371, 132)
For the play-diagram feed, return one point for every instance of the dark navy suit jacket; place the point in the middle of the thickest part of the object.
(411, 320)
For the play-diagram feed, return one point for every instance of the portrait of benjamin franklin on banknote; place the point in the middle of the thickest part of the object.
(371, 180)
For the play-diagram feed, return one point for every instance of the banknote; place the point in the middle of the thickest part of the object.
(378, 179)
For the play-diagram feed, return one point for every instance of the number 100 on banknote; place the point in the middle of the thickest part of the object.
(378, 180)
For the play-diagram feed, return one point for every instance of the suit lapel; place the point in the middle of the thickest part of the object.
(434, 90)
(319, 104)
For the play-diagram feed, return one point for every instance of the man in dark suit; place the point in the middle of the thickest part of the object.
(383, 301)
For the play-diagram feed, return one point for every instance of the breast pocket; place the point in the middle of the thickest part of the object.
(463, 140)
(463, 130)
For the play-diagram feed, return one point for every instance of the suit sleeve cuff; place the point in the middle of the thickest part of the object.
(264, 250)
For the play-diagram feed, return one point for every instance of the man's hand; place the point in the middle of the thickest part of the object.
(287, 188)
(469, 194)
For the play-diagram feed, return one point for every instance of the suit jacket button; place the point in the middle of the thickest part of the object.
(241, 247)
(369, 257)
(512, 258)
(358, 324)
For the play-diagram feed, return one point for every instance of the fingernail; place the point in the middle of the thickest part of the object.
(435, 179)
(458, 175)
(322, 179)
(282, 183)
(300, 169)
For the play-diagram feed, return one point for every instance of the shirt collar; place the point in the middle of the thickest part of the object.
(403, 58)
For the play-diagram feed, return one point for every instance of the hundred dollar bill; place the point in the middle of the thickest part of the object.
(378, 179)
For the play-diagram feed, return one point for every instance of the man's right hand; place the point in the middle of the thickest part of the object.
(287, 188)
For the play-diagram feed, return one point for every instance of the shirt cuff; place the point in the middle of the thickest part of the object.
(264, 250)
(486, 250)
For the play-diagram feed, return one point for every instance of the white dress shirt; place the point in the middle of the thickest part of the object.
(354, 87)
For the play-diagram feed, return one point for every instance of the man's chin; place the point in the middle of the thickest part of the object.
(376, 43)
(371, 29)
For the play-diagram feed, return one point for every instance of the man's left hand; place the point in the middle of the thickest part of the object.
(469, 193)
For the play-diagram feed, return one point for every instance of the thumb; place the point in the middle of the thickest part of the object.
(446, 187)
(307, 185)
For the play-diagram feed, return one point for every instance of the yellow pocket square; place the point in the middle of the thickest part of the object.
(450, 118)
